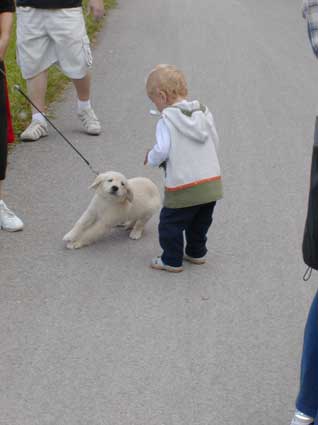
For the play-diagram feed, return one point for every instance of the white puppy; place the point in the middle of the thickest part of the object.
(117, 201)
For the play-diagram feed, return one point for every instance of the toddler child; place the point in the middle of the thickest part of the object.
(186, 146)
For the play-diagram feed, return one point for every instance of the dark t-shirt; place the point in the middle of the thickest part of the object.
(7, 6)
(49, 4)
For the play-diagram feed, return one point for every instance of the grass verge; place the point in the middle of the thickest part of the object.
(20, 108)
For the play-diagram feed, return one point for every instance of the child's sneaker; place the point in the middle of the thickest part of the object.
(301, 419)
(193, 260)
(8, 220)
(158, 264)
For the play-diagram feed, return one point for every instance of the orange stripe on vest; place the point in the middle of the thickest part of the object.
(196, 183)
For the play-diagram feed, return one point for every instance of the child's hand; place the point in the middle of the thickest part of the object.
(146, 157)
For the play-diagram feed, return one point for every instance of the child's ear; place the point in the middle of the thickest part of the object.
(163, 96)
(97, 181)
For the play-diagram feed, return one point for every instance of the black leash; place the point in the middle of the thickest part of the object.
(17, 87)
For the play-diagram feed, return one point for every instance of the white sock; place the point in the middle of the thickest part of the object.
(38, 117)
(83, 104)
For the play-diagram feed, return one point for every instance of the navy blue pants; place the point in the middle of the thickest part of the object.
(194, 221)
(307, 400)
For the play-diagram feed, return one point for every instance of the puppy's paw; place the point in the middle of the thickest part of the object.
(135, 234)
(73, 245)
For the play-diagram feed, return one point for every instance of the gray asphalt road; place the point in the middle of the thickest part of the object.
(95, 337)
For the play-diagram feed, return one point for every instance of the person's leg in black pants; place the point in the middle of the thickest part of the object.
(3, 128)
(8, 220)
(197, 229)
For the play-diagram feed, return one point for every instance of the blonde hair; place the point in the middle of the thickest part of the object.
(169, 79)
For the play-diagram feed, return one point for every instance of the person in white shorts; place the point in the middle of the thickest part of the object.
(53, 32)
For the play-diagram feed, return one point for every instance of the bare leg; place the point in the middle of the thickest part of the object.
(85, 111)
(82, 87)
(37, 90)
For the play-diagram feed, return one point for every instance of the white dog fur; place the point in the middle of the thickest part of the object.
(117, 201)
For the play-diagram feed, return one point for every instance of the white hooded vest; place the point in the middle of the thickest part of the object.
(193, 173)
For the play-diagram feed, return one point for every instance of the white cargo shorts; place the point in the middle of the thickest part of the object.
(52, 36)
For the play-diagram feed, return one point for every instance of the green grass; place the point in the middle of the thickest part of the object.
(20, 108)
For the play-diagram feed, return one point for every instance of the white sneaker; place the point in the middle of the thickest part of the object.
(8, 220)
(158, 264)
(35, 131)
(89, 121)
(195, 260)
(301, 419)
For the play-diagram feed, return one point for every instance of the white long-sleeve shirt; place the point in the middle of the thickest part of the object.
(160, 152)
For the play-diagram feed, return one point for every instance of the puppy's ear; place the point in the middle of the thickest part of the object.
(130, 195)
(97, 181)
